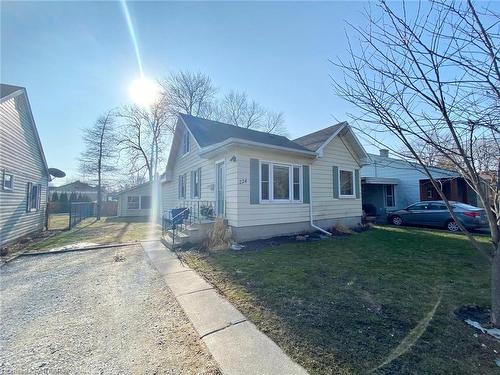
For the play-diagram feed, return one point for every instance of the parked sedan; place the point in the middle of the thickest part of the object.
(435, 213)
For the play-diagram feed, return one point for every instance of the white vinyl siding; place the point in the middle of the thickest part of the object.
(336, 153)
(21, 156)
(407, 191)
(185, 164)
(265, 213)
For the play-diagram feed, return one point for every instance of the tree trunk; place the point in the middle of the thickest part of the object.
(495, 288)
(98, 208)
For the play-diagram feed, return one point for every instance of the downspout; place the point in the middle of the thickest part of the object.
(311, 205)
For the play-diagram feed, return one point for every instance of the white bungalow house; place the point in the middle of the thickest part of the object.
(264, 185)
(23, 168)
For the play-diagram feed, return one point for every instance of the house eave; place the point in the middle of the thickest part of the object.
(212, 150)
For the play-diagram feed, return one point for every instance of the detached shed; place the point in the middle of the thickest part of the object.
(135, 201)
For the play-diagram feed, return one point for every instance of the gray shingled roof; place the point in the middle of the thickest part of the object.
(208, 132)
(314, 141)
(6, 90)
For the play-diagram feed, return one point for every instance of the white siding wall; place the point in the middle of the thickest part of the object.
(184, 164)
(239, 211)
(123, 201)
(20, 156)
(407, 191)
(265, 213)
(324, 205)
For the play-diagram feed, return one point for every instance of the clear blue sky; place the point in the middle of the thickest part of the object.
(76, 59)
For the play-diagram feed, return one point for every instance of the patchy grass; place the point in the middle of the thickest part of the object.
(107, 230)
(384, 298)
(58, 221)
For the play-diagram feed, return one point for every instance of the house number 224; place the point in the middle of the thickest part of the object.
(243, 181)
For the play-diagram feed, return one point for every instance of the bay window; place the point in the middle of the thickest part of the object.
(280, 182)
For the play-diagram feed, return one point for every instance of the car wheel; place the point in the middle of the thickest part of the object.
(452, 226)
(396, 220)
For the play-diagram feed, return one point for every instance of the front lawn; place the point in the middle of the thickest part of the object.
(105, 231)
(344, 305)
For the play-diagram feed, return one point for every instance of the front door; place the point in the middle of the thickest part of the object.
(219, 188)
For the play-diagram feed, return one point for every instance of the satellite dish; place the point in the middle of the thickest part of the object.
(56, 173)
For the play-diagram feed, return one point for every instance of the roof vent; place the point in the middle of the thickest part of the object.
(384, 152)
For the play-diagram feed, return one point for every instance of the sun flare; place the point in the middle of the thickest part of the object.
(144, 92)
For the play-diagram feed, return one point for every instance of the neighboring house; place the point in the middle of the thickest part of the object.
(264, 185)
(78, 188)
(24, 171)
(135, 201)
(388, 184)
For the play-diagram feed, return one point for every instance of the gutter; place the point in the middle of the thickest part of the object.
(311, 205)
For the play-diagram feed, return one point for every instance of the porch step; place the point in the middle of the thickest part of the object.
(180, 239)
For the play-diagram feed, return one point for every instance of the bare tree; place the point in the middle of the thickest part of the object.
(432, 77)
(99, 157)
(144, 133)
(190, 93)
(274, 122)
(238, 110)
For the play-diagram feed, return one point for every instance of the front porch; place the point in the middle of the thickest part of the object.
(378, 195)
(189, 222)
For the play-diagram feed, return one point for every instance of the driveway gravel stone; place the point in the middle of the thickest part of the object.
(94, 312)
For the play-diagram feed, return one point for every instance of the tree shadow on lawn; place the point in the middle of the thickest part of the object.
(342, 305)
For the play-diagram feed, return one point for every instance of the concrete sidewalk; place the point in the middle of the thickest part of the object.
(235, 343)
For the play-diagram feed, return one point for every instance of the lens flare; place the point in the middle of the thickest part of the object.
(144, 92)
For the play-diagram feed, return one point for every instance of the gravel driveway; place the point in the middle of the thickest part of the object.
(92, 312)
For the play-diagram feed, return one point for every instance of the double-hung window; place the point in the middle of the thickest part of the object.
(280, 182)
(346, 178)
(389, 196)
(133, 202)
(33, 196)
(8, 181)
(182, 186)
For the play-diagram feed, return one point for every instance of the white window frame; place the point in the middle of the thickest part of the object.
(11, 181)
(38, 197)
(196, 172)
(271, 199)
(138, 201)
(353, 195)
(393, 196)
(182, 188)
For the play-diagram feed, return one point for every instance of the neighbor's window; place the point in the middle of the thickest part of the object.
(196, 188)
(33, 195)
(185, 142)
(145, 202)
(389, 196)
(280, 182)
(346, 183)
(8, 181)
(182, 186)
(133, 202)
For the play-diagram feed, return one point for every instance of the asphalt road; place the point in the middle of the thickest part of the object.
(94, 312)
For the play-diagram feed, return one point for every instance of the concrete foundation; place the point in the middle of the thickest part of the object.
(260, 232)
